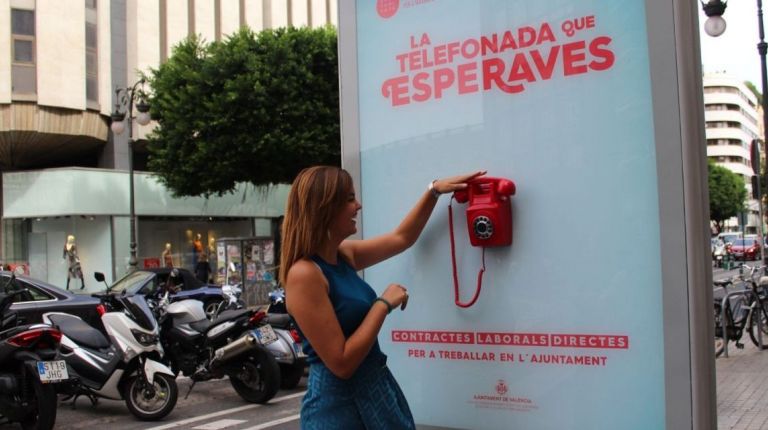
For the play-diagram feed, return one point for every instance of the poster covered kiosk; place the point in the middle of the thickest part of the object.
(598, 314)
(248, 262)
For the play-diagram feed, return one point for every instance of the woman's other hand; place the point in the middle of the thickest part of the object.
(396, 295)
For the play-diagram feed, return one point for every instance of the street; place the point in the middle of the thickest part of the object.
(719, 273)
(211, 405)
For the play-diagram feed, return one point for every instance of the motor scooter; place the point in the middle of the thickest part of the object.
(124, 367)
(720, 253)
(288, 353)
(232, 300)
(287, 348)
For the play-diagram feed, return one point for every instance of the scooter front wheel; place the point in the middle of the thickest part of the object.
(150, 402)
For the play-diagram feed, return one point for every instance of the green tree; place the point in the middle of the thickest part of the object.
(726, 194)
(253, 108)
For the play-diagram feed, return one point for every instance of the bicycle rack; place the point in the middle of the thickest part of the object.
(726, 302)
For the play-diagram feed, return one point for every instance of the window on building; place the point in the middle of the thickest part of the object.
(91, 53)
(23, 70)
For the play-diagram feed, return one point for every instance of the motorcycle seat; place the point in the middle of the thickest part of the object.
(204, 325)
(201, 326)
(231, 315)
(79, 331)
(278, 320)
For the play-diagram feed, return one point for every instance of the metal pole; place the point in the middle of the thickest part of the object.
(132, 260)
(760, 237)
(762, 47)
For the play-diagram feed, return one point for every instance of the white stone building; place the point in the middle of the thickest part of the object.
(731, 115)
(65, 172)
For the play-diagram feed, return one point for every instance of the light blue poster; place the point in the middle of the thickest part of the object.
(555, 96)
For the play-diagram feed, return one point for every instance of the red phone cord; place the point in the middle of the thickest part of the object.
(455, 272)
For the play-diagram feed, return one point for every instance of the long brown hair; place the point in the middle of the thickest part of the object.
(316, 195)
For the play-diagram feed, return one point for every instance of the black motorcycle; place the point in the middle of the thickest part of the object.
(29, 368)
(233, 345)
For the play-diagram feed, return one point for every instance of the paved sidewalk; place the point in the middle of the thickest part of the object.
(742, 388)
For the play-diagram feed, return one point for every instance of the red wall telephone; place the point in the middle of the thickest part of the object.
(489, 215)
(489, 221)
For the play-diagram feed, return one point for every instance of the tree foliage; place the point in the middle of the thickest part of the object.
(253, 108)
(726, 194)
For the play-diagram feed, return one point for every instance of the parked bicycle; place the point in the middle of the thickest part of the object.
(741, 304)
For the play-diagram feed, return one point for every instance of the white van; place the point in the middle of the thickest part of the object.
(729, 237)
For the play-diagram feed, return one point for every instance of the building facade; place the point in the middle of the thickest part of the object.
(66, 174)
(732, 118)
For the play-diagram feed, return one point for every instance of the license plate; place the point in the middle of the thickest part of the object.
(52, 371)
(265, 334)
(298, 350)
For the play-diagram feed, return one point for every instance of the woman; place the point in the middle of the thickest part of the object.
(203, 268)
(337, 312)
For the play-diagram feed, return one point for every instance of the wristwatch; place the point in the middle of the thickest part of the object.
(432, 189)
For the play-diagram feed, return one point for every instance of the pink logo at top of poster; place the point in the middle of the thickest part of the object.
(501, 387)
(387, 8)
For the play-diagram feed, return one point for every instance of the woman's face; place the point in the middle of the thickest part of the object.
(344, 223)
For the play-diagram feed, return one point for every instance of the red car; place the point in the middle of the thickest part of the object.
(745, 249)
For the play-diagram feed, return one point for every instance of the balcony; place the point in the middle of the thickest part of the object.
(41, 136)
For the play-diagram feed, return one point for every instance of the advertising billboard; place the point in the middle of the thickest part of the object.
(574, 104)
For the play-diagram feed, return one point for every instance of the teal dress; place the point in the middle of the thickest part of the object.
(371, 399)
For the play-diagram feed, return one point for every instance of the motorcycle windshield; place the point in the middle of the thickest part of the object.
(138, 307)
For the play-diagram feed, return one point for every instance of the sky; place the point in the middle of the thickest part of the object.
(735, 51)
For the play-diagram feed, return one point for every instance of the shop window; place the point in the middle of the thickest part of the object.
(15, 234)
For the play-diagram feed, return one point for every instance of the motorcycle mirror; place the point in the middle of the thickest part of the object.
(101, 278)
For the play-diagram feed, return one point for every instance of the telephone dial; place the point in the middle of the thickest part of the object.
(489, 221)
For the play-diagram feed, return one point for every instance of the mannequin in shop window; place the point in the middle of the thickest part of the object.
(73, 261)
(197, 248)
(167, 256)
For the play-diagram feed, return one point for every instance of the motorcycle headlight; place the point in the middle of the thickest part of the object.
(146, 339)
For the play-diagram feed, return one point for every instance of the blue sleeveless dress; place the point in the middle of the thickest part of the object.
(371, 399)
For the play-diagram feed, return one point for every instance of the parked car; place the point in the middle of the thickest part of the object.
(745, 249)
(42, 297)
(190, 288)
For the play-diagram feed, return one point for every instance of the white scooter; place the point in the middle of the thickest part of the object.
(125, 367)
(288, 352)
(287, 349)
(720, 253)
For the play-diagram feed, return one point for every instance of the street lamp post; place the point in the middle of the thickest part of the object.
(715, 26)
(124, 98)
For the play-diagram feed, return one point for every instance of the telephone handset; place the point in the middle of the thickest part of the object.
(489, 221)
